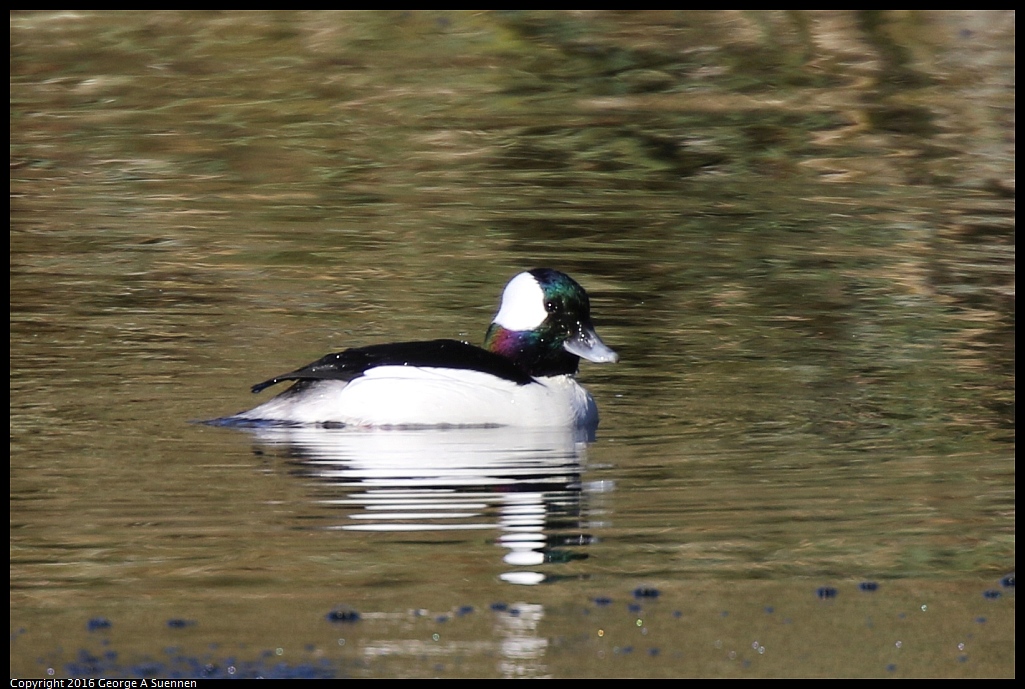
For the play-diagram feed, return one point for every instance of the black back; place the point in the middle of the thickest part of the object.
(353, 363)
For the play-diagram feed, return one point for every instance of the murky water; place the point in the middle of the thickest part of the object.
(797, 229)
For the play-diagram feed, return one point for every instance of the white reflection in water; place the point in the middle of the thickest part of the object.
(515, 480)
(522, 646)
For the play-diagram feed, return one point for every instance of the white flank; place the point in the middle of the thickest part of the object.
(407, 395)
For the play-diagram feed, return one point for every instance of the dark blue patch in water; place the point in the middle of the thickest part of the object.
(646, 592)
(499, 607)
(178, 623)
(342, 615)
(868, 586)
(602, 601)
(178, 665)
(1007, 581)
(991, 594)
(826, 592)
(97, 623)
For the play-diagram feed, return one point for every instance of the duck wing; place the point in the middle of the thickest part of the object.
(354, 362)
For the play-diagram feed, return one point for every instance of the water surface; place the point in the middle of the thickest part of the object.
(797, 229)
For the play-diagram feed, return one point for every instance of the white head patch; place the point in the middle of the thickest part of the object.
(523, 304)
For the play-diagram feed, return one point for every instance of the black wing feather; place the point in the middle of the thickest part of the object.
(353, 363)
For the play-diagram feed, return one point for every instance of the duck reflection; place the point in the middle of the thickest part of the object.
(525, 483)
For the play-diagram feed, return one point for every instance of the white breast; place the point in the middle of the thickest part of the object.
(410, 396)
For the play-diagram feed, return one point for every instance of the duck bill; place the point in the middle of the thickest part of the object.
(587, 345)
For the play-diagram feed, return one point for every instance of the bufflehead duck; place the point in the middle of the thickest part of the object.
(524, 375)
